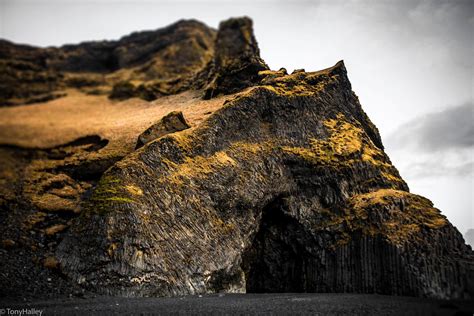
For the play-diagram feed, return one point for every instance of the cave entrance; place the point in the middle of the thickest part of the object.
(276, 261)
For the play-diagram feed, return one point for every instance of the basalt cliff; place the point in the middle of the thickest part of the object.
(175, 162)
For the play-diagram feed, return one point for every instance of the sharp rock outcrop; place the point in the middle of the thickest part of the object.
(236, 60)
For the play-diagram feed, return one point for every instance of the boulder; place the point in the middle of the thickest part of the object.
(172, 122)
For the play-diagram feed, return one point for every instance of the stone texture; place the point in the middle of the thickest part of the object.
(285, 189)
(282, 185)
(154, 63)
(172, 122)
(236, 60)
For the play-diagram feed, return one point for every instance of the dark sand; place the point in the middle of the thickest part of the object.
(246, 304)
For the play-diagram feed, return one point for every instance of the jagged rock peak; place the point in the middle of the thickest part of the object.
(236, 59)
(236, 43)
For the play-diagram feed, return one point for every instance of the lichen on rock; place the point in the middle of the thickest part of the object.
(285, 188)
(280, 185)
(146, 65)
(170, 123)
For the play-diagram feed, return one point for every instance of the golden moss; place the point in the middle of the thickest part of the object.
(396, 215)
(119, 199)
(107, 184)
(183, 139)
(345, 139)
(311, 154)
(374, 156)
(33, 219)
(401, 222)
(296, 90)
(345, 145)
(297, 84)
(267, 72)
(134, 189)
(111, 189)
(380, 197)
(50, 231)
(199, 166)
(220, 225)
(391, 177)
(244, 149)
(111, 249)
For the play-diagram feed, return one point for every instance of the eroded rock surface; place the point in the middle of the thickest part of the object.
(41, 191)
(285, 189)
(236, 60)
(172, 122)
(280, 185)
(153, 63)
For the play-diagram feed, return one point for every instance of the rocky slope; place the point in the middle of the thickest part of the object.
(145, 64)
(282, 187)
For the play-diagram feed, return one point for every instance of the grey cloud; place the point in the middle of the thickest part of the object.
(452, 128)
(436, 168)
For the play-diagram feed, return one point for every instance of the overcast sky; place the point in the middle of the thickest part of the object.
(410, 63)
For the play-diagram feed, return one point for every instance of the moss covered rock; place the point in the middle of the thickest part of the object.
(284, 189)
(170, 123)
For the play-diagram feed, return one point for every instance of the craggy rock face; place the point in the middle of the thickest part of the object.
(153, 63)
(236, 59)
(280, 184)
(285, 189)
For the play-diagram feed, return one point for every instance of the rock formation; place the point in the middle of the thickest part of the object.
(236, 60)
(285, 187)
(154, 63)
(172, 122)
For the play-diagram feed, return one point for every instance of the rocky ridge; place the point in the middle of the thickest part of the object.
(284, 188)
(145, 64)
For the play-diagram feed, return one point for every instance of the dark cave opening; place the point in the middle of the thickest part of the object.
(276, 261)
